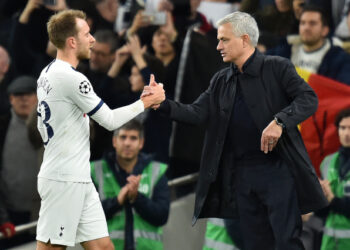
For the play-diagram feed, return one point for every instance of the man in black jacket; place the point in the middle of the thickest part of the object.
(254, 162)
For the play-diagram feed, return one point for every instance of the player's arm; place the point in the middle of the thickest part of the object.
(86, 99)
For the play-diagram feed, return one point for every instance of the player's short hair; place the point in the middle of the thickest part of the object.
(131, 125)
(344, 113)
(63, 25)
(242, 23)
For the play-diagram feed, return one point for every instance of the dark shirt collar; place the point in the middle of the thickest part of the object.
(251, 66)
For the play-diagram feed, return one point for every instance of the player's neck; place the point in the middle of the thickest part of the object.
(68, 57)
(126, 164)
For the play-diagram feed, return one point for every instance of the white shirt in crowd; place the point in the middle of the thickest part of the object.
(309, 61)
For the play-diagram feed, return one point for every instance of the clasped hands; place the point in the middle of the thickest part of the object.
(130, 190)
(153, 94)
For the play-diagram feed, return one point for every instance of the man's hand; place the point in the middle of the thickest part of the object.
(123, 194)
(270, 136)
(133, 185)
(326, 187)
(7, 229)
(153, 94)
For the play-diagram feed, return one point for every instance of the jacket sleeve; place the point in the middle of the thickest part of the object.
(303, 101)
(110, 207)
(155, 210)
(196, 113)
(340, 206)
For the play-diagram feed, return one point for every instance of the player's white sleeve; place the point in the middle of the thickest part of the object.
(80, 91)
(113, 119)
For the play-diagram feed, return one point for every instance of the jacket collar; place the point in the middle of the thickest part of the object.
(251, 66)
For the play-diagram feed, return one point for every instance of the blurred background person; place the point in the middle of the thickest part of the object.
(335, 169)
(313, 51)
(134, 191)
(19, 164)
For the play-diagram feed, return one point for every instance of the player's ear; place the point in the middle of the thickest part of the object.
(71, 42)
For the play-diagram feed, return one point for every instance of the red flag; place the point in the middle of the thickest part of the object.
(319, 132)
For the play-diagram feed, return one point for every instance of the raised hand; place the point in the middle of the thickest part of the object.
(153, 94)
(121, 56)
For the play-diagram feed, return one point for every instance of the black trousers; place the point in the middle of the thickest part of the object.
(267, 206)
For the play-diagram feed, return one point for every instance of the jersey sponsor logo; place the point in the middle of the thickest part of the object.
(85, 87)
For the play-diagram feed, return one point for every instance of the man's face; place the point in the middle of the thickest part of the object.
(161, 43)
(128, 144)
(230, 46)
(298, 6)
(101, 57)
(311, 29)
(344, 132)
(4, 61)
(136, 80)
(85, 40)
(23, 104)
(282, 5)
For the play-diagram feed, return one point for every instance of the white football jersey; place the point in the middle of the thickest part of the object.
(66, 99)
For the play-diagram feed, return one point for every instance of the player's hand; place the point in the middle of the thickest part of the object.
(153, 94)
(270, 137)
(7, 229)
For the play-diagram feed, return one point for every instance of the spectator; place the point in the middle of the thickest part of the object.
(340, 10)
(314, 52)
(107, 86)
(157, 127)
(335, 170)
(298, 6)
(111, 88)
(19, 158)
(29, 46)
(134, 191)
(106, 14)
(166, 48)
(277, 19)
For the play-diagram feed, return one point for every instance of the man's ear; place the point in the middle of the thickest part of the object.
(114, 141)
(71, 42)
(325, 31)
(246, 40)
(142, 142)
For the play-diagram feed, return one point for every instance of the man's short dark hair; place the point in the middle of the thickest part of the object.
(314, 8)
(109, 37)
(344, 113)
(131, 125)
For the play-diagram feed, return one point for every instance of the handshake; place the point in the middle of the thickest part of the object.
(153, 94)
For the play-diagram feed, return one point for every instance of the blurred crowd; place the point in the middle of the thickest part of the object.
(176, 41)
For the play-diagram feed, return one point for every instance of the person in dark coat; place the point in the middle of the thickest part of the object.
(254, 163)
